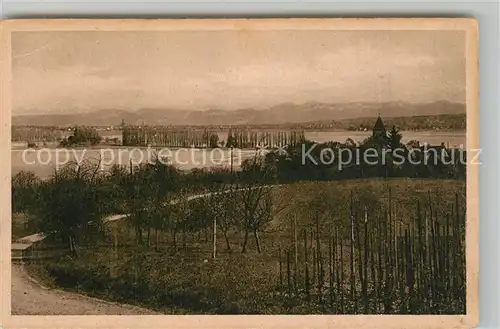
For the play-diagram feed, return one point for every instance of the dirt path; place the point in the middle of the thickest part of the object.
(29, 298)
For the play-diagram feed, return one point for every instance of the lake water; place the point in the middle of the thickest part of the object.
(453, 138)
(44, 161)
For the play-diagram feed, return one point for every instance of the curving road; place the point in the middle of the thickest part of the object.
(29, 298)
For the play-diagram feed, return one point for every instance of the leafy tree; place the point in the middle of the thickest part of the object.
(394, 139)
(132, 190)
(260, 168)
(200, 218)
(24, 189)
(70, 204)
(162, 180)
(350, 143)
(219, 207)
(232, 140)
(214, 141)
(82, 135)
(145, 191)
(255, 199)
(255, 204)
(180, 216)
(413, 144)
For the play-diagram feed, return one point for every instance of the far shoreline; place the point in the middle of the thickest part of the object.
(122, 147)
(15, 146)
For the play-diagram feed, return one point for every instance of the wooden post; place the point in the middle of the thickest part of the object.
(365, 267)
(116, 242)
(306, 267)
(352, 266)
(288, 277)
(231, 150)
(281, 269)
(215, 239)
(330, 270)
(295, 243)
(112, 270)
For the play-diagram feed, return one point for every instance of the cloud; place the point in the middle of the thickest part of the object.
(69, 88)
(351, 73)
(87, 71)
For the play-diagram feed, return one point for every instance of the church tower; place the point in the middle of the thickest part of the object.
(379, 128)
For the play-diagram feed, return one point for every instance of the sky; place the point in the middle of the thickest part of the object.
(60, 72)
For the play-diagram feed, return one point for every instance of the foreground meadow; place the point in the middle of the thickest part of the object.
(391, 246)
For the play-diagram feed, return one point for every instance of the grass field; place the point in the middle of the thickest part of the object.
(185, 279)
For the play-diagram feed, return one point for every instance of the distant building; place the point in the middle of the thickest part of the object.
(21, 251)
(27, 248)
(379, 129)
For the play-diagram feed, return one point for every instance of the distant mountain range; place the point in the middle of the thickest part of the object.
(278, 114)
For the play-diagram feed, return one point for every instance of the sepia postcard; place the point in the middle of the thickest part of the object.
(271, 173)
